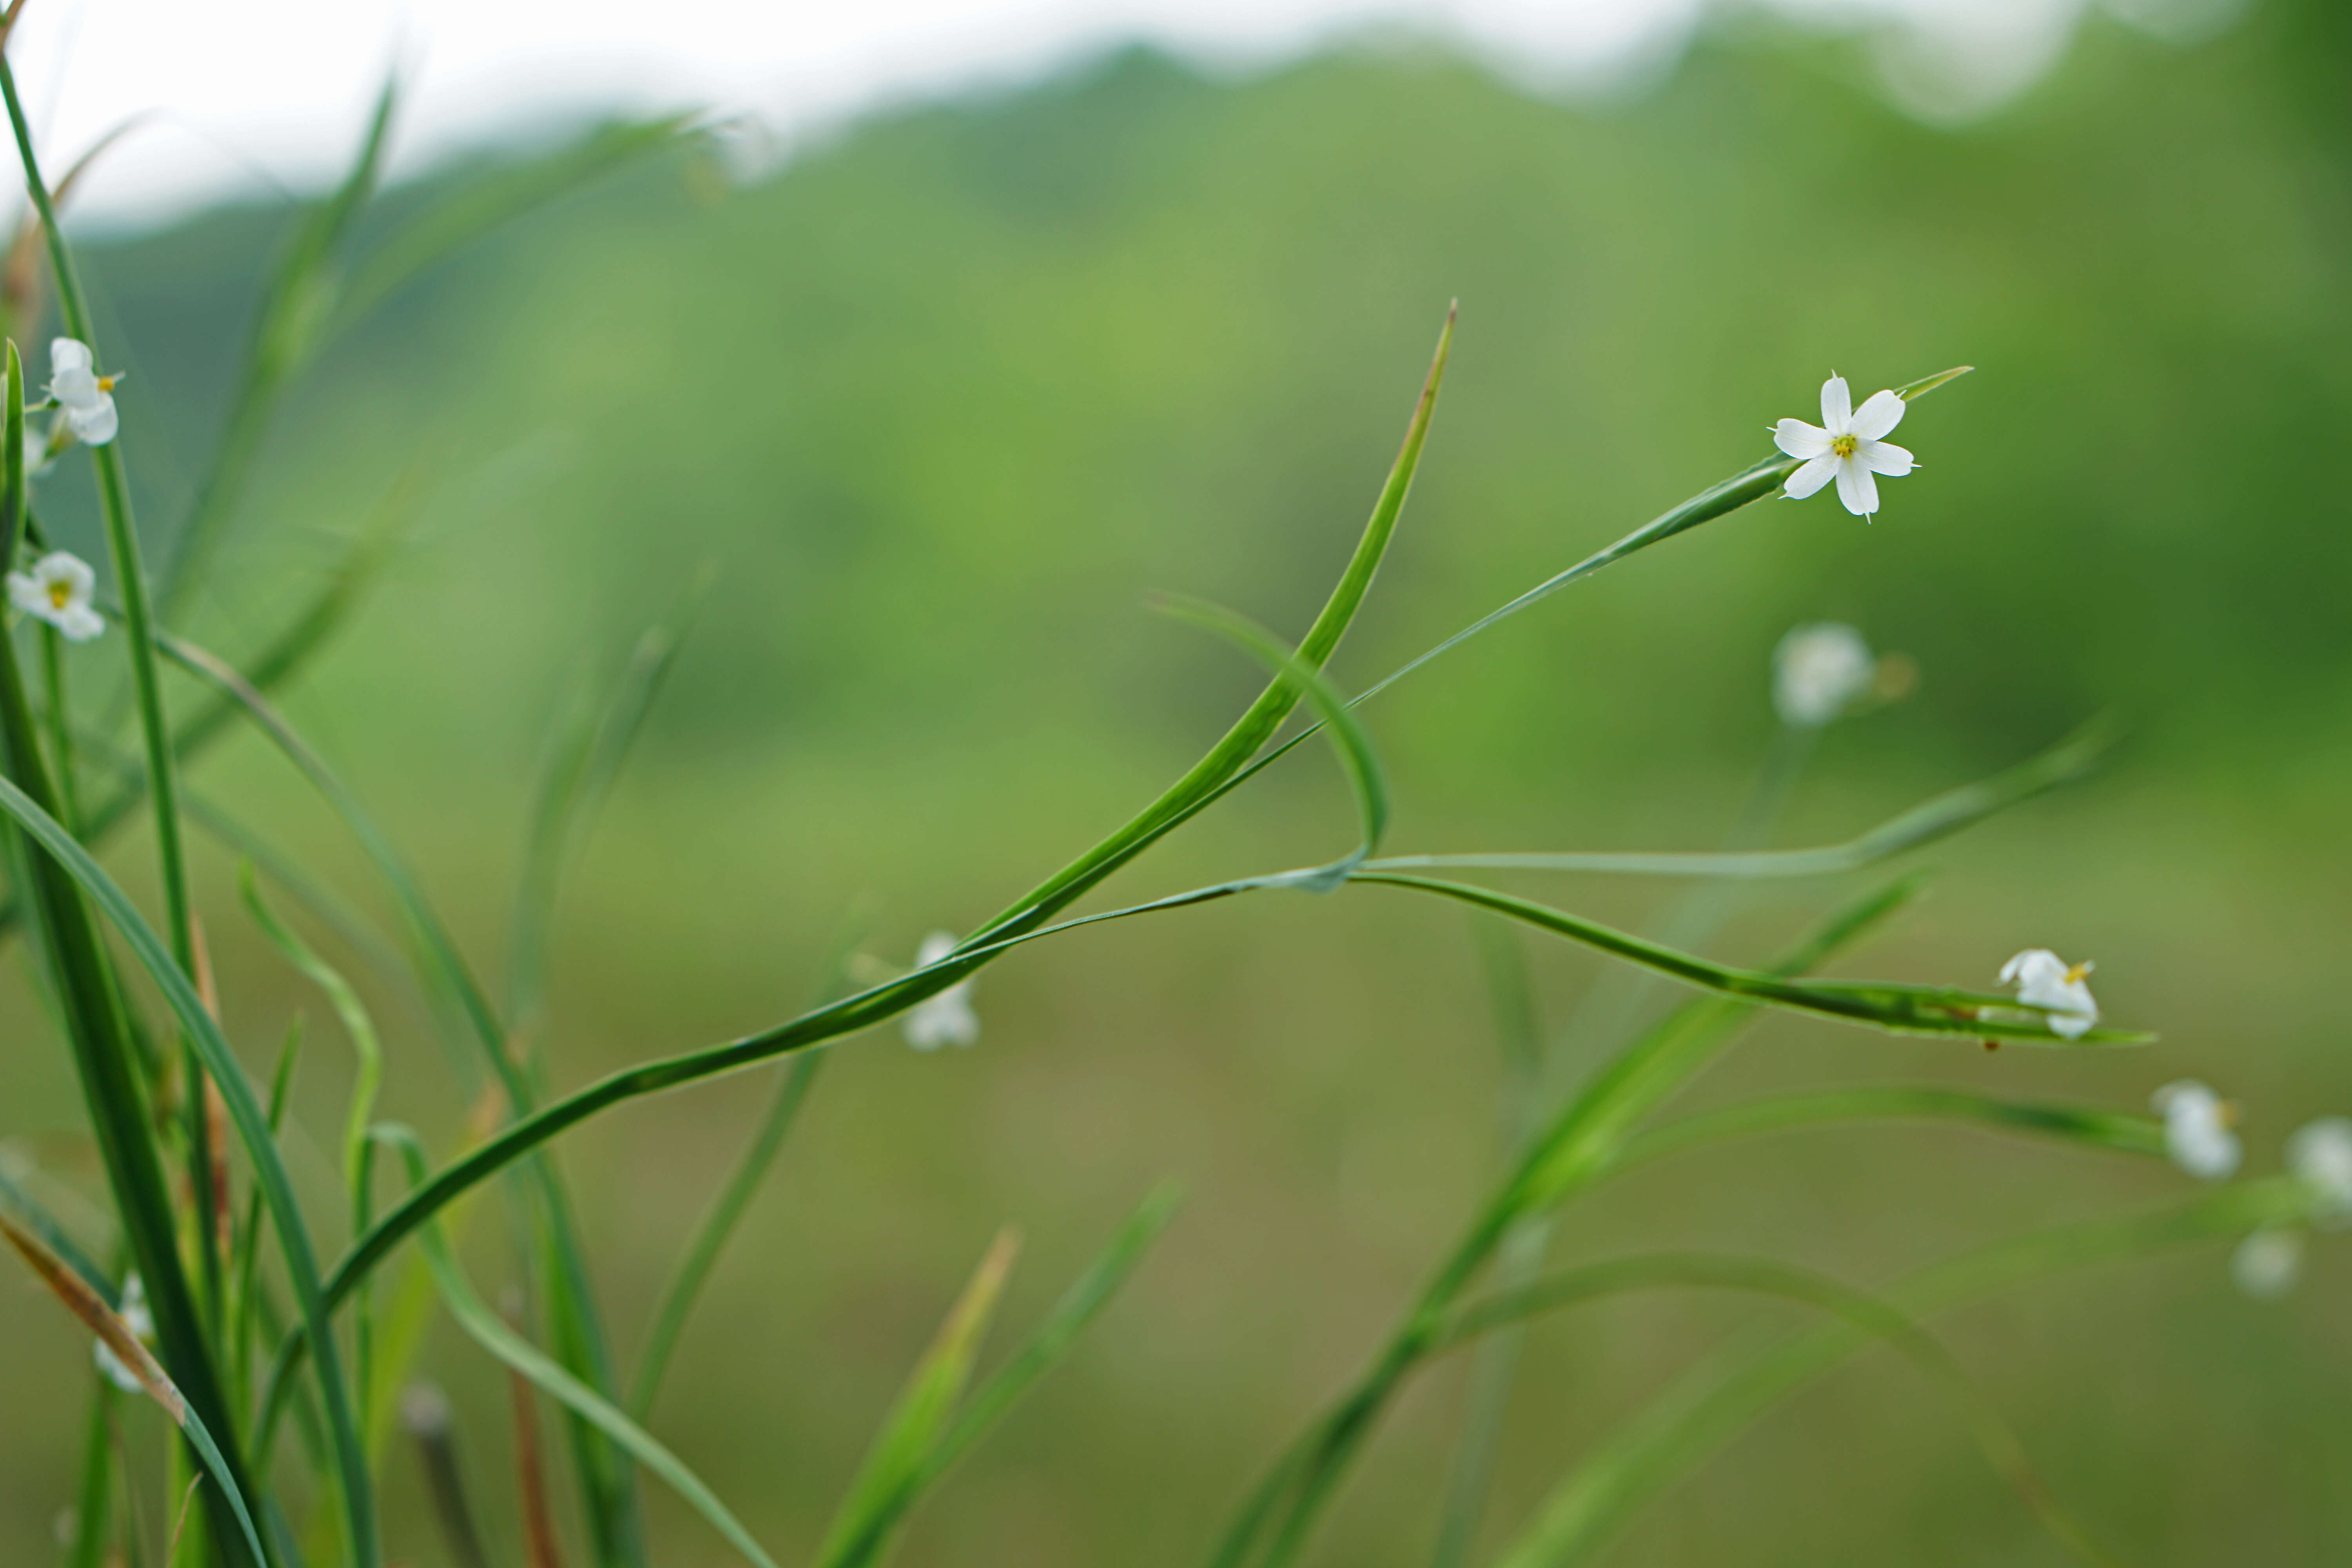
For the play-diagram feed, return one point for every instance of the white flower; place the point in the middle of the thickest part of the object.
(2197, 1134)
(142, 1324)
(946, 1019)
(57, 590)
(1848, 450)
(1817, 670)
(2043, 980)
(86, 396)
(2321, 1154)
(2268, 1262)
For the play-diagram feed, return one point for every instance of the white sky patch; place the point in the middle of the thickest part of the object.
(245, 95)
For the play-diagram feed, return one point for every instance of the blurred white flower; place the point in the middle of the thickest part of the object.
(946, 1019)
(2321, 1154)
(86, 396)
(2197, 1134)
(1847, 447)
(2043, 980)
(58, 590)
(142, 1324)
(1817, 670)
(2268, 1262)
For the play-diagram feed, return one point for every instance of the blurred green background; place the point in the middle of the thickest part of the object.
(943, 400)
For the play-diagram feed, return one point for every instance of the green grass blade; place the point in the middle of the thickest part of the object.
(582, 766)
(253, 1129)
(877, 1495)
(710, 1237)
(295, 306)
(35, 1216)
(2119, 1130)
(69, 1287)
(1867, 1315)
(1273, 1524)
(1353, 745)
(349, 1011)
(1214, 772)
(1897, 1009)
(486, 1329)
(1750, 484)
(1947, 814)
(90, 1003)
(1595, 1501)
(1045, 1348)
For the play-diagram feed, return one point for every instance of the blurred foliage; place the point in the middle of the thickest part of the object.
(948, 394)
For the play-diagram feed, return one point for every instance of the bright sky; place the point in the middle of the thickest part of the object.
(247, 92)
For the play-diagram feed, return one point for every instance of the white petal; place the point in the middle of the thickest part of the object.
(1837, 405)
(1812, 477)
(95, 423)
(1800, 439)
(1878, 417)
(28, 595)
(67, 354)
(64, 566)
(1856, 488)
(936, 946)
(79, 623)
(1883, 457)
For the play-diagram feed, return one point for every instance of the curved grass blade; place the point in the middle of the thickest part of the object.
(1947, 814)
(1868, 1314)
(1879, 1005)
(884, 1486)
(1229, 757)
(1273, 1524)
(349, 1011)
(82, 982)
(66, 1283)
(253, 1129)
(1354, 747)
(1750, 484)
(584, 766)
(2119, 1130)
(1594, 1501)
(34, 1215)
(486, 1329)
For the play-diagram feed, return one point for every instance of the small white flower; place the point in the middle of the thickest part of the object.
(2197, 1134)
(142, 1324)
(946, 1019)
(1847, 445)
(2268, 1262)
(2321, 1154)
(1817, 670)
(86, 396)
(2043, 980)
(58, 590)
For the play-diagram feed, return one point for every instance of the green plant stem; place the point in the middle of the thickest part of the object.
(94, 1504)
(61, 747)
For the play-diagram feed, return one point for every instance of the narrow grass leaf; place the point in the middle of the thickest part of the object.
(880, 1492)
(1947, 814)
(488, 1329)
(2119, 1130)
(69, 1288)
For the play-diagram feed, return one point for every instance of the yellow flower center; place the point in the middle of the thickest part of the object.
(60, 594)
(2075, 975)
(106, 383)
(1842, 446)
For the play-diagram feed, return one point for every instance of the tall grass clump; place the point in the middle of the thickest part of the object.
(277, 1326)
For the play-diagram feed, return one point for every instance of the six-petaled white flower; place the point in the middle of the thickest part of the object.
(2197, 1135)
(58, 590)
(2320, 1152)
(2268, 1262)
(1848, 445)
(86, 396)
(946, 1019)
(1817, 670)
(142, 1324)
(2043, 980)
